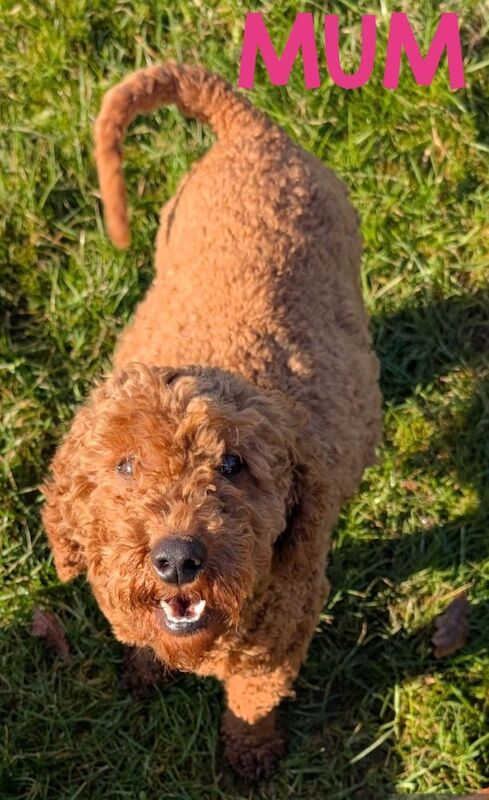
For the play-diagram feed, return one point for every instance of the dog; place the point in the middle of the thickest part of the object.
(199, 483)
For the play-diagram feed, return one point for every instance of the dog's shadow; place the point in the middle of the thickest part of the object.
(363, 652)
(353, 663)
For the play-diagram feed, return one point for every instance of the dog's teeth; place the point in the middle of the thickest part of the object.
(196, 610)
(167, 608)
(192, 613)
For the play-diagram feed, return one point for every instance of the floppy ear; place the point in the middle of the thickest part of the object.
(65, 511)
(310, 491)
(311, 501)
(309, 515)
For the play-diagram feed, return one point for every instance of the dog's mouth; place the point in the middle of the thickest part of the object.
(183, 615)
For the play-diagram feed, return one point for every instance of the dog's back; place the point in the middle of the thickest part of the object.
(257, 265)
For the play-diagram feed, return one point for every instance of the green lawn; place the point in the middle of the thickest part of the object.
(375, 713)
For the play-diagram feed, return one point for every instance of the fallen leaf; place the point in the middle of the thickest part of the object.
(47, 627)
(452, 627)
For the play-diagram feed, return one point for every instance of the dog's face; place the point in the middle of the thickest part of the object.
(171, 491)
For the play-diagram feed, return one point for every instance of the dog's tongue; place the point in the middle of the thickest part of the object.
(179, 606)
(182, 608)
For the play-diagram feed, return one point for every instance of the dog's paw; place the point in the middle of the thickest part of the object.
(253, 751)
(255, 762)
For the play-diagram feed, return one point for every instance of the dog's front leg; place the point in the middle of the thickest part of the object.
(253, 743)
(142, 672)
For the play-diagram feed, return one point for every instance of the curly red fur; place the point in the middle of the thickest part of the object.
(256, 283)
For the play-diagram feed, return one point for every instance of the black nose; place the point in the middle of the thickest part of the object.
(178, 560)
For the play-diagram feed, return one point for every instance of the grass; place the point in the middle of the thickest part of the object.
(375, 713)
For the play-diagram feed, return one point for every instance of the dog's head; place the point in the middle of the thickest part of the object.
(172, 491)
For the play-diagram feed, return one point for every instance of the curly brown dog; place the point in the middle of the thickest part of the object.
(199, 484)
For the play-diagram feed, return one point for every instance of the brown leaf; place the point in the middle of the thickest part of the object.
(47, 626)
(410, 486)
(452, 627)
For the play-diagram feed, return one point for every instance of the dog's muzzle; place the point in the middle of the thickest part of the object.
(183, 615)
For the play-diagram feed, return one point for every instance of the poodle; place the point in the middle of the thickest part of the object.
(199, 483)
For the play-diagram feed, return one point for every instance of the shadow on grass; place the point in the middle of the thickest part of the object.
(417, 346)
(419, 343)
(72, 730)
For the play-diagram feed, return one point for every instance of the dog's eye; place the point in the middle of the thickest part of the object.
(230, 466)
(125, 467)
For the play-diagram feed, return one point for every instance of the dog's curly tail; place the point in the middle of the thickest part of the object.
(196, 92)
